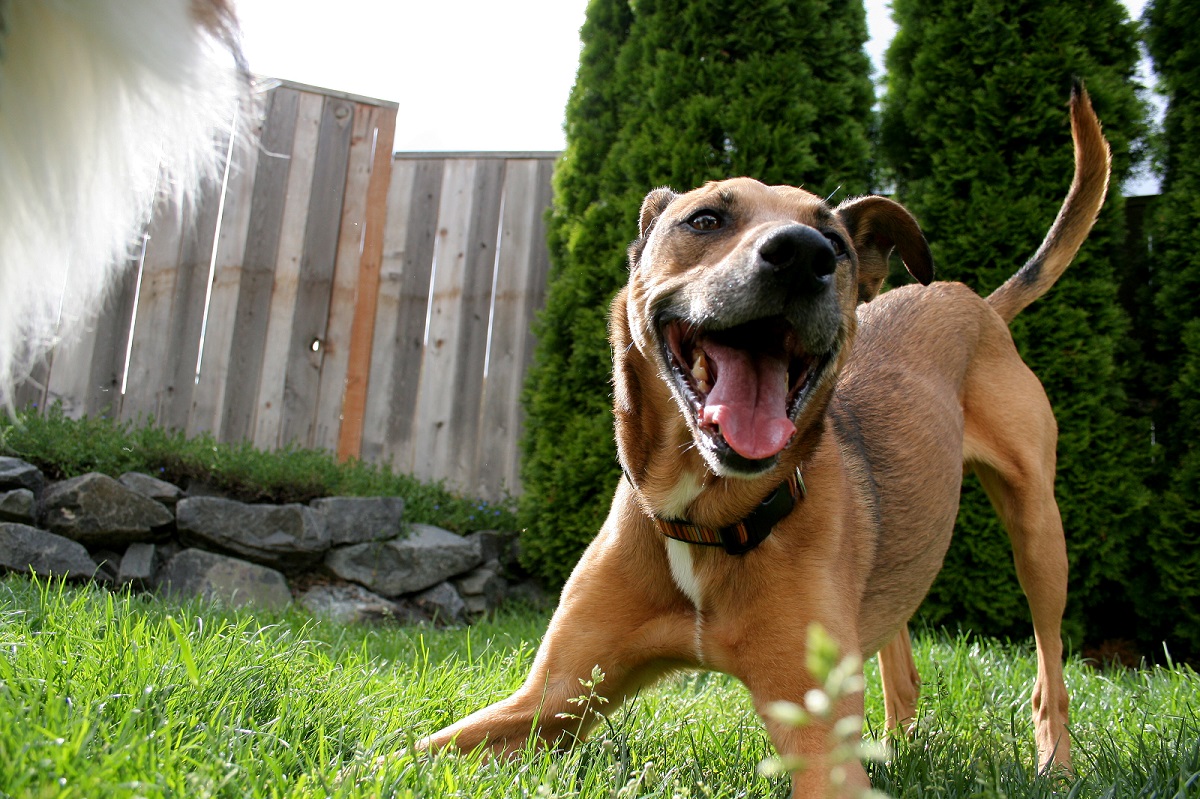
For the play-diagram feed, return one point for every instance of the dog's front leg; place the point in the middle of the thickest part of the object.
(828, 767)
(620, 613)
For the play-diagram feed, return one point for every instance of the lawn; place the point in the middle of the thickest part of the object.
(119, 695)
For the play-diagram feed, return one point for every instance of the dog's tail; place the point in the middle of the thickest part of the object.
(1075, 218)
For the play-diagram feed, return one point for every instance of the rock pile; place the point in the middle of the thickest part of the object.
(345, 558)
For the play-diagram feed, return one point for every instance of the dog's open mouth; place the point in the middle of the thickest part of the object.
(743, 385)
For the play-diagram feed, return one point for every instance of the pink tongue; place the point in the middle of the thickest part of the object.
(749, 401)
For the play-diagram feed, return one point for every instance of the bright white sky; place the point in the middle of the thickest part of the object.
(468, 74)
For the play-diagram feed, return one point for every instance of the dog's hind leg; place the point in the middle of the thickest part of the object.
(901, 682)
(1010, 443)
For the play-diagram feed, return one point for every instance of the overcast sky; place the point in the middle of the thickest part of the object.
(467, 74)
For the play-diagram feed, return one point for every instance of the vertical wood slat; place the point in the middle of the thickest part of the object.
(148, 367)
(70, 370)
(281, 313)
(472, 329)
(209, 395)
(516, 293)
(186, 321)
(352, 408)
(335, 344)
(431, 449)
(409, 245)
(107, 369)
(317, 263)
(258, 265)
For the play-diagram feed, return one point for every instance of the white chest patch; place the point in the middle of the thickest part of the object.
(679, 555)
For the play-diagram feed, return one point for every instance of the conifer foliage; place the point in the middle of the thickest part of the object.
(976, 133)
(1173, 601)
(675, 93)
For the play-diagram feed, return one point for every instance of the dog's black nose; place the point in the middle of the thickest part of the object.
(799, 250)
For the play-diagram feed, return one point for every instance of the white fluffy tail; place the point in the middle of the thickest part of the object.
(104, 108)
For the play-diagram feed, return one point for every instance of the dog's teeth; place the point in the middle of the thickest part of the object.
(700, 371)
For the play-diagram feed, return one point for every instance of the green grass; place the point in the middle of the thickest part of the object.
(63, 447)
(119, 695)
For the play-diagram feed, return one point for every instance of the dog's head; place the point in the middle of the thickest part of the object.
(742, 296)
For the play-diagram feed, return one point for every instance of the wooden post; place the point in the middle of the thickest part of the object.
(362, 332)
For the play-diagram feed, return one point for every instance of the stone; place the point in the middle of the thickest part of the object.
(360, 520)
(493, 545)
(152, 488)
(484, 582)
(443, 603)
(427, 556)
(196, 573)
(107, 562)
(99, 512)
(138, 565)
(475, 606)
(353, 604)
(24, 549)
(16, 473)
(530, 593)
(18, 505)
(286, 537)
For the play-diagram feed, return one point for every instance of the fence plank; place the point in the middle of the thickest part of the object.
(258, 266)
(336, 343)
(186, 322)
(472, 330)
(149, 351)
(407, 267)
(314, 291)
(70, 368)
(513, 307)
(386, 340)
(208, 398)
(352, 410)
(281, 312)
(107, 370)
(439, 364)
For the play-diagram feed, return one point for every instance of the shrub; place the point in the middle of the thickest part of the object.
(1172, 595)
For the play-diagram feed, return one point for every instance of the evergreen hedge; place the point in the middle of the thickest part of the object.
(1172, 588)
(976, 133)
(669, 92)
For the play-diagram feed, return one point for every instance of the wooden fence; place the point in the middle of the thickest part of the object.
(338, 297)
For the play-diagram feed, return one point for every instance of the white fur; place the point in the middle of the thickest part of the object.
(105, 105)
(679, 555)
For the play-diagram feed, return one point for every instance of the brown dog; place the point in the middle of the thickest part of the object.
(741, 359)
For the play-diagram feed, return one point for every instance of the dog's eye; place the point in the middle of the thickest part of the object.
(704, 221)
(839, 246)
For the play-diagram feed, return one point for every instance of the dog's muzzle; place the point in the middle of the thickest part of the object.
(744, 354)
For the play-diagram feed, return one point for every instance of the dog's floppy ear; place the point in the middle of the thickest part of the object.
(652, 207)
(878, 224)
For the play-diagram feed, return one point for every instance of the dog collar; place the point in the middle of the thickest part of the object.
(740, 538)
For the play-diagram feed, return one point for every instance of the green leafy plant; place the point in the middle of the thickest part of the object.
(839, 677)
